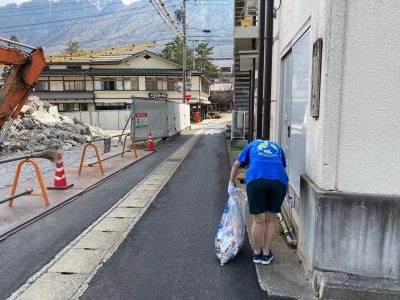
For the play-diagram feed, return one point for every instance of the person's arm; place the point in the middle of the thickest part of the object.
(234, 171)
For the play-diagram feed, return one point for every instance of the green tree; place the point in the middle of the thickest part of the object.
(15, 39)
(72, 47)
(174, 53)
(203, 60)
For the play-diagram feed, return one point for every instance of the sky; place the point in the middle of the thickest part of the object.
(5, 2)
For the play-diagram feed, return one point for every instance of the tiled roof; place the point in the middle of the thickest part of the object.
(111, 58)
(116, 72)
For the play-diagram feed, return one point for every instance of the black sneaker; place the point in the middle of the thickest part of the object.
(257, 257)
(266, 259)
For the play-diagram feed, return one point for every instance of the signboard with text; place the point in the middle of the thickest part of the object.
(141, 120)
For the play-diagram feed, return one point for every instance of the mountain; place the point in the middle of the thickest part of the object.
(108, 23)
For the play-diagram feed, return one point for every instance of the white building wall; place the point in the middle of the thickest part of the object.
(369, 132)
(357, 110)
(327, 22)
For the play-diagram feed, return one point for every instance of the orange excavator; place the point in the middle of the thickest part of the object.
(20, 80)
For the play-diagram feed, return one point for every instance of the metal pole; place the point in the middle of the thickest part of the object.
(193, 56)
(184, 51)
(251, 110)
(268, 70)
(251, 104)
(16, 43)
(260, 89)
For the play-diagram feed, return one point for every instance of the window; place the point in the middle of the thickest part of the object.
(162, 84)
(110, 106)
(42, 86)
(74, 85)
(205, 87)
(156, 83)
(131, 84)
(151, 83)
(226, 69)
(110, 84)
(71, 107)
(172, 82)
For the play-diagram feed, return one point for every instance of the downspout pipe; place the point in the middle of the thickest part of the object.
(260, 89)
(268, 70)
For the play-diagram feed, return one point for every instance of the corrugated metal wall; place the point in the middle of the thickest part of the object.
(163, 118)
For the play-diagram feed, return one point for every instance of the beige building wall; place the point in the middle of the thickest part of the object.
(140, 62)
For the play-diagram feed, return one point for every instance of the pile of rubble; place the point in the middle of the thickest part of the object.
(40, 127)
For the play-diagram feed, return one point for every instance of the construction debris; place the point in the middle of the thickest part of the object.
(40, 127)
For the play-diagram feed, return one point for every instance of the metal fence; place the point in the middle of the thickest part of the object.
(163, 118)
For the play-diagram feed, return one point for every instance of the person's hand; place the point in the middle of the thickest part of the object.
(231, 189)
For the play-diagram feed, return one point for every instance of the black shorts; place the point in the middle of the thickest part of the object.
(265, 195)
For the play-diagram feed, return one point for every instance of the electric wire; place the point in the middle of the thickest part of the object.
(169, 16)
(162, 18)
(52, 4)
(276, 9)
(73, 24)
(113, 38)
(50, 11)
(66, 20)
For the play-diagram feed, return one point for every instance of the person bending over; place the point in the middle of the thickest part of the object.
(266, 185)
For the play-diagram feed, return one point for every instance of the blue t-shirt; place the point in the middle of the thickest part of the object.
(266, 160)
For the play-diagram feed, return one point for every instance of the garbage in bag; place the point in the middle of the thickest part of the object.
(231, 228)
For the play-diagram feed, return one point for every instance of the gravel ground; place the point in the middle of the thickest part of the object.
(70, 157)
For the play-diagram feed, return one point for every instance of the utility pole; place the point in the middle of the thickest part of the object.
(193, 55)
(184, 50)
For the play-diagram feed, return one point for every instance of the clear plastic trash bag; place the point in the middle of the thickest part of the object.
(231, 228)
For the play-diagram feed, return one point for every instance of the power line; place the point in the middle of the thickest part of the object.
(51, 11)
(65, 20)
(161, 17)
(169, 16)
(63, 25)
(114, 38)
(51, 4)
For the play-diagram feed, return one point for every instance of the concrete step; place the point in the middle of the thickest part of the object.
(341, 286)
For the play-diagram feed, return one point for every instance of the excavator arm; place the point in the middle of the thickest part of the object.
(22, 78)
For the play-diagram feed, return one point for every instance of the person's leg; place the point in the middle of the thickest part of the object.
(257, 232)
(270, 228)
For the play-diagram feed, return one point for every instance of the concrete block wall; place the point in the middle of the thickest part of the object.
(350, 233)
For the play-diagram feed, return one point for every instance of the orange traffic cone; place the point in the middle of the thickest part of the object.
(150, 144)
(60, 181)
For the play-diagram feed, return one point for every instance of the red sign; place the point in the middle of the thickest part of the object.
(187, 98)
(141, 115)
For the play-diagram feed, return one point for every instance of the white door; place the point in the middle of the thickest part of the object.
(294, 98)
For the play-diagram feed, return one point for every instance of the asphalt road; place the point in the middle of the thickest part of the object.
(169, 254)
(27, 251)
